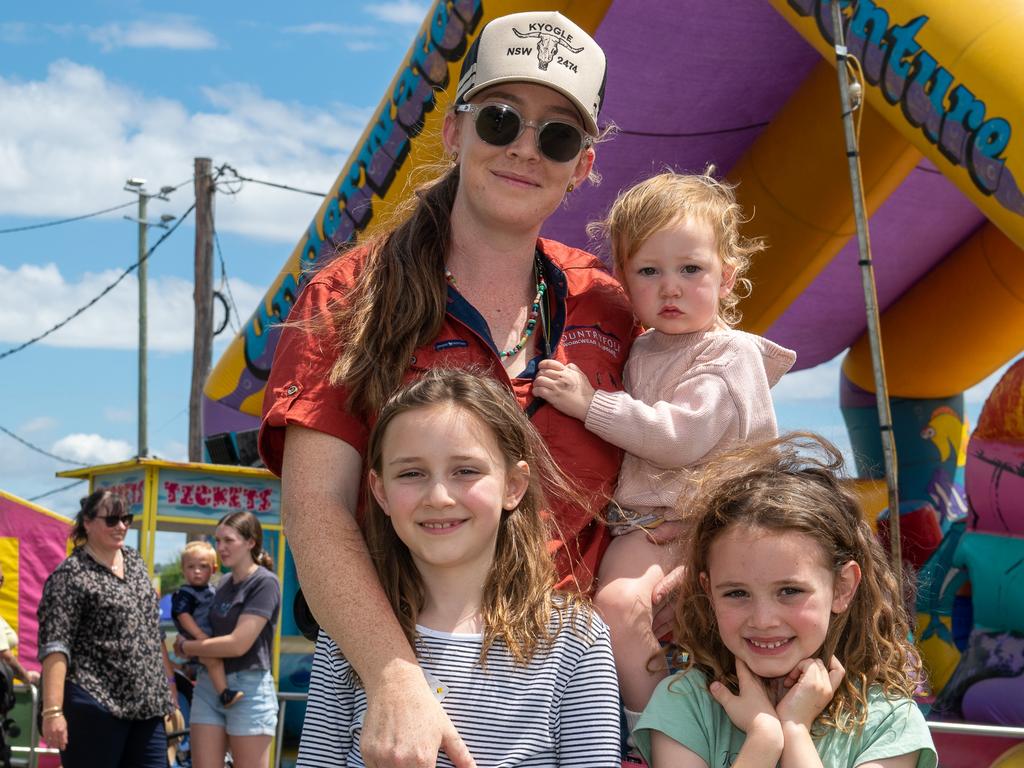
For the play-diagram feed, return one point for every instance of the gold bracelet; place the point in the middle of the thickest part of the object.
(55, 708)
(52, 715)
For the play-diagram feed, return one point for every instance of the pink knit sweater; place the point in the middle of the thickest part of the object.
(688, 397)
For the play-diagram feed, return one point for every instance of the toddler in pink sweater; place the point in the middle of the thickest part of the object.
(694, 387)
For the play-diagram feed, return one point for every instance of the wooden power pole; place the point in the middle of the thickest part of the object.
(202, 344)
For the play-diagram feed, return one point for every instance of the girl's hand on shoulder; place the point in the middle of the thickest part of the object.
(811, 688)
(751, 710)
(564, 386)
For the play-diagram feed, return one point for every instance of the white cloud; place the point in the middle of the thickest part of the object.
(43, 298)
(400, 12)
(67, 143)
(175, 32)
(13, 32)
(92, 448)
(317, 28)
(354, 38)
(38, 424)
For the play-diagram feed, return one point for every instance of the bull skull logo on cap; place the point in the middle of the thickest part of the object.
(547, 45)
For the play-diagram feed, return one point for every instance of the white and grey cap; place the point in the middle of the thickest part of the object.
(541, 47)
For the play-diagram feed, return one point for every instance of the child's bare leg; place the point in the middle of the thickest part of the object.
(219, 680)
(215, 669)
(630, 569)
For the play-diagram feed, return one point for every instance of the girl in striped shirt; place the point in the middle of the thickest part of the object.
(458, 478)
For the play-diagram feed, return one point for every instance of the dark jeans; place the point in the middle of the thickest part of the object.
(97, 739)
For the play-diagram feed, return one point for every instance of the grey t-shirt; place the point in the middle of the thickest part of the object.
(259, 594)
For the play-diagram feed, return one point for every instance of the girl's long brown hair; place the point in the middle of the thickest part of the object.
(398, 302)
(518, 597)
(791, 484)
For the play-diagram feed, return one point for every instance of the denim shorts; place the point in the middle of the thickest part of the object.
(254, 715)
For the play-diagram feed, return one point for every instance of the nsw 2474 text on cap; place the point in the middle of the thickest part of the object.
(542, 47)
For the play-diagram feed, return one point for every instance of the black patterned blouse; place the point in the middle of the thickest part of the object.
(109, 630)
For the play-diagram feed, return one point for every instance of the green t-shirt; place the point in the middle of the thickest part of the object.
(683, 709)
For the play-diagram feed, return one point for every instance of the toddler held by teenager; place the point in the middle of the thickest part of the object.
(694, 387)
(190, 609)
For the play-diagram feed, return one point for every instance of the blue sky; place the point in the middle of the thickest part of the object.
(92, 93)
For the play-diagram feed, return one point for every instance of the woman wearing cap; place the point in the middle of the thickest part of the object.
(105, 671)
(463, 281)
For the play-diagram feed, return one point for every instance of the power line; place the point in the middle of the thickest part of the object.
(56, 490)
(37, 449)
(85, 215)
(66, 221)
(226, 284)
(102, 293)
(226, 168)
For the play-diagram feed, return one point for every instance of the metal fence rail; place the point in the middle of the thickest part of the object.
(31, 753)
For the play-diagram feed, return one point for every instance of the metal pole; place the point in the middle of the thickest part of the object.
(867, 275)
(143, 383)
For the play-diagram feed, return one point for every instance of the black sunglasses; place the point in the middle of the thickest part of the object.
(111, 521)
(500, 125)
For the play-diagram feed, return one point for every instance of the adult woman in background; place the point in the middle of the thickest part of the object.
(243, 615)
(105, 690)
(463, 281)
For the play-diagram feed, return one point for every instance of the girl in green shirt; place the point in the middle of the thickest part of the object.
(790, 628)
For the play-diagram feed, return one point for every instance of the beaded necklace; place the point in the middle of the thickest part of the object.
(535, 308)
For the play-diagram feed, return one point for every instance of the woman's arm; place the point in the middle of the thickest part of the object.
(229, 646)
(320, 483)
(55, 670)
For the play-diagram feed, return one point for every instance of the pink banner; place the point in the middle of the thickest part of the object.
(33, 541)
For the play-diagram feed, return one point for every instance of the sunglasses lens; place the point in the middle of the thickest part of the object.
(111, 521)
(497, 125)
(560, 141)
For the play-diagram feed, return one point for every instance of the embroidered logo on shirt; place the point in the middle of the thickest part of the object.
(592, 335)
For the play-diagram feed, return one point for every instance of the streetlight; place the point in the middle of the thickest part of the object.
(138, 186)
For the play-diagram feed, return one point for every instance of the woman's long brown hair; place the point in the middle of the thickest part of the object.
(398, 301)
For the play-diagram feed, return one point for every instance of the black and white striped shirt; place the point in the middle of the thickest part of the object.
(561, 710)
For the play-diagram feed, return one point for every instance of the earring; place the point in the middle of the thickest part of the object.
(455, 158)
(570, 188)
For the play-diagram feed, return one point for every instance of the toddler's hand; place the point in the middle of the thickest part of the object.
(752, 709)
(811, 688)
(564, 386)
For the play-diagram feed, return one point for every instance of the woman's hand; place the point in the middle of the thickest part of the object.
(406, 727)
(751, 709)
(31, 677)
(179, 647)
(55, 731)
(810, 689)
(564, 386)
(663, 601)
